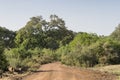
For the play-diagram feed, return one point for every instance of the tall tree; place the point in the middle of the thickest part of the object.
(45, 34)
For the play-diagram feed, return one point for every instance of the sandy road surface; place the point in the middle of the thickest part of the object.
(57, 71)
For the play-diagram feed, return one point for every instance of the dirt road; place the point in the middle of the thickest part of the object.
(57, 71)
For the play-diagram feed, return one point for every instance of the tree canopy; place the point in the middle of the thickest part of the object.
(45, 34)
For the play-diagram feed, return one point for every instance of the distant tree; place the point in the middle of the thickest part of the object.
(116, 33)
(7, 37)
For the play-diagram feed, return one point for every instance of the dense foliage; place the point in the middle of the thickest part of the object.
(35, 43)
(41, 41)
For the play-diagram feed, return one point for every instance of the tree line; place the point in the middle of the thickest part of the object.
(41, 41)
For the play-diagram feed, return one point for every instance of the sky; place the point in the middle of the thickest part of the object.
(92, 16)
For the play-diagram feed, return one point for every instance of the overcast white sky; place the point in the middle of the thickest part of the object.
(97, 16)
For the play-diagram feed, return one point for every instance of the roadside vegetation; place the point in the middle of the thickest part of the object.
(41, 41)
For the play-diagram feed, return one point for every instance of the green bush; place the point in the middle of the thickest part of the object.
(29, 59)
(18, 58)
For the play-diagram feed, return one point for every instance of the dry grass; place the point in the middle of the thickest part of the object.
(114, 69)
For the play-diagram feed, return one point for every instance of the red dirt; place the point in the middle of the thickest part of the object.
(57, 71)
